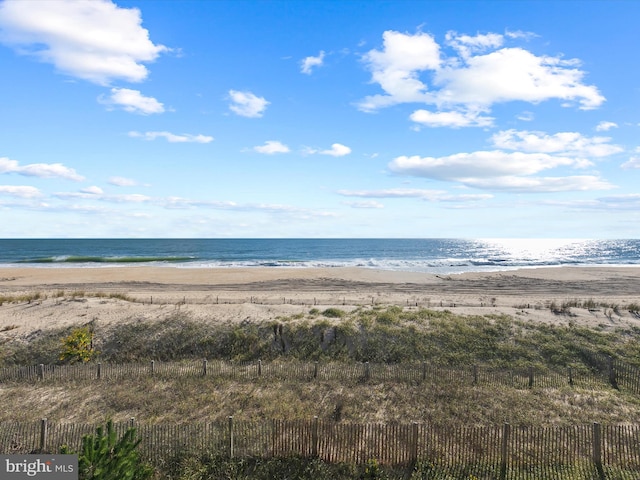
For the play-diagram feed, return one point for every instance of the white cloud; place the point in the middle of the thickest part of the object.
(508, 171)
(450, 119)
(271, 147)
(429, 195)
(605, 126)
(562, 143)
(41, 170)
(309, 63)
(520, 34)
(129, 198)
(392, 193)
(633, 162)
(122, 182)
(93, 40)
(480, 164)
(132, 101)
(512, 74)
(466, 84)
(396, 67)
(525, 116)
(95, 193)
(246, 104)
(365, 204)
(336, 150)
(93, 190)
(630, 201)
(173, 138)
(21, 191)
(583, 183)
(466, 44)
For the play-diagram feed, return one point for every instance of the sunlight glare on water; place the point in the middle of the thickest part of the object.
(536, 251)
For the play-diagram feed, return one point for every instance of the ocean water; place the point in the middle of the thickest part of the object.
(419, 255)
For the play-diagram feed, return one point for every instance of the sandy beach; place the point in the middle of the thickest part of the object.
(261, 294)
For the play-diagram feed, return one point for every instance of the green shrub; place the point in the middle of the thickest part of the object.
(333, 312)
(78, 346)
(104, 456)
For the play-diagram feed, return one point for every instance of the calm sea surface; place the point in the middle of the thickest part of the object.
(419, 255)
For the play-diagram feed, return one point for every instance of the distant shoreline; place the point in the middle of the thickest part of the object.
(115, 295)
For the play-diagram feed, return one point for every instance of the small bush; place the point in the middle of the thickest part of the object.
(334, 313)
(78, 346)
(105, 457)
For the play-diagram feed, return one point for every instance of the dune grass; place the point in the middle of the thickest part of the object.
(384, 334)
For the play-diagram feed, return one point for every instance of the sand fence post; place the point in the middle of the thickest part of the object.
(504, 450)
(414, 443)
(230, 426)
(597, 449)
(44, 430)
(153, 367)
(99, 371)
(204, 367)
(314, 438)
(612, 372)
(530, 377)
(475, 374)
(41, 371)
(315, 369)
(259, 368)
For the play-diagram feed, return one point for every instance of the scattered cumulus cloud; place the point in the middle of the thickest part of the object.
(367, 204)
(520, 34)
(309, 63)
(41, 170)
(525, 116)
(467, 45)
(131, 101)
(499, 170)
(481, 164)
(20, 191)
(606, 126)
(463, 87)
(396, 67)
(96, 40)
(271, 147)
(451, 119)
(122, 182)
(563, 143)
(583, 183)
(93, 190)
(630, 201)
(246, 104)
(633, 162)
(517, 163)
(336, 150)
(424, 194)
(173, 138)
(95, 193)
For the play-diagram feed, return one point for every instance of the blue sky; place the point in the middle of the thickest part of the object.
(319, 118)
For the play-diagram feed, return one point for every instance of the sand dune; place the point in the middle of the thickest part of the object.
(257, 294)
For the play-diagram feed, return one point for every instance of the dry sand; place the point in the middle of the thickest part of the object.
(257, 294)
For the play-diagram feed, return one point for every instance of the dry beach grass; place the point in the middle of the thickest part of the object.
(262, 294)
(544, 317)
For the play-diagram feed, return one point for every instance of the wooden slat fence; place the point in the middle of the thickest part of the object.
(625, 377)
(486, 451)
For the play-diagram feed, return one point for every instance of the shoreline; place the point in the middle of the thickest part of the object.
(75, 296)
(41, 275)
